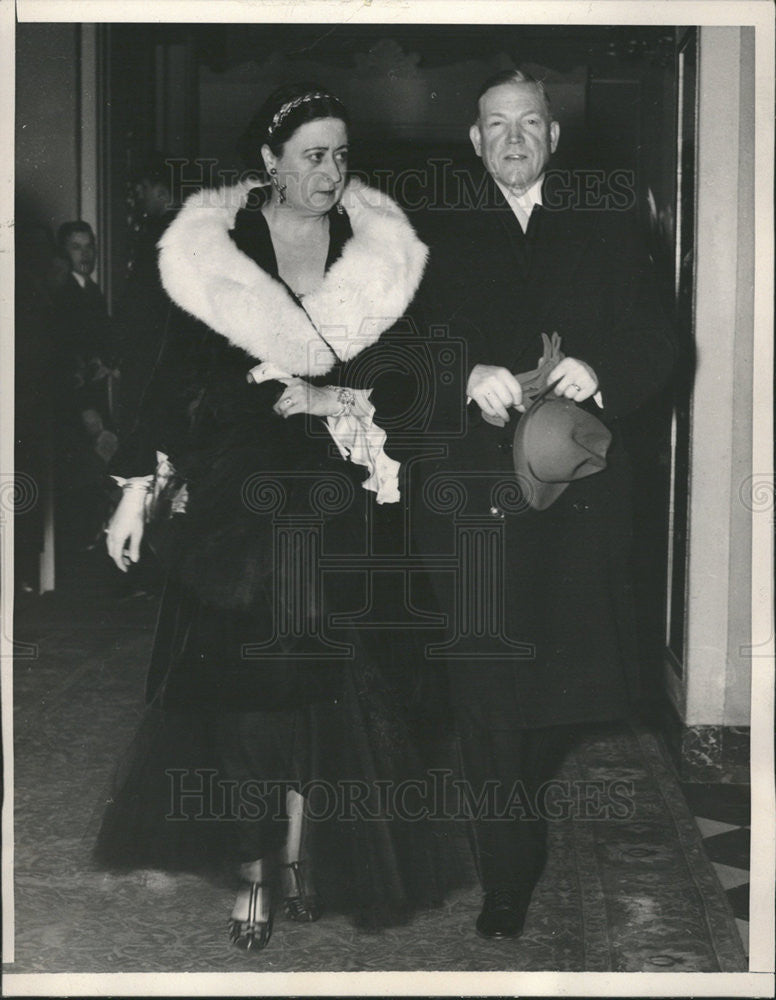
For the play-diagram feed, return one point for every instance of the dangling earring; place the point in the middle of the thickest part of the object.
(340, 209)
(280, 188)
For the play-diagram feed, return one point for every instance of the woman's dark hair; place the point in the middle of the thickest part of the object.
(280, 116)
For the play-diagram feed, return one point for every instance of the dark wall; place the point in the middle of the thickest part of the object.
(47, 124)
(409, 88)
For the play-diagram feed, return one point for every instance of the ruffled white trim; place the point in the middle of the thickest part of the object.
(357, 436)
(362, 441)
(146, 490)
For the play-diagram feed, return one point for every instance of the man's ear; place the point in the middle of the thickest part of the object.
(554, 136)
(476, 137)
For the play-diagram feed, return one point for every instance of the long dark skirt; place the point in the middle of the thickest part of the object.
(203, 787)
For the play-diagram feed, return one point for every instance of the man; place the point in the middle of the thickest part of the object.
(529, 257)
(86, 377)
(86, 337)
(143, 309)
(84, 320)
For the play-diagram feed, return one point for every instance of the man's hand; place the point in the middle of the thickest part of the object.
(578, 381)
(494, 390)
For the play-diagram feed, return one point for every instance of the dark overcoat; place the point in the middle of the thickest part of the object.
(84, 333)
(540, 602)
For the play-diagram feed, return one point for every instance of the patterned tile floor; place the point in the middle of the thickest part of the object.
(92, 597)
(722, 814)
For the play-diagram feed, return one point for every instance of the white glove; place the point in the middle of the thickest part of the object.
(125, 531)
(268, 371)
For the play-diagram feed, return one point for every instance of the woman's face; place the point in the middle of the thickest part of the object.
(313, 166)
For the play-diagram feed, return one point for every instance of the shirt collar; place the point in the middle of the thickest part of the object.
(79, 278)
(523, 202)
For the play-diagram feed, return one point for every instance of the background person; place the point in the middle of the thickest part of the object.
(89, 378)
(143, 312)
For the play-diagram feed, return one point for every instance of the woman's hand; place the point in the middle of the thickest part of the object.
(301, 397)
(125, 531)
(578, 381)
(494, 390)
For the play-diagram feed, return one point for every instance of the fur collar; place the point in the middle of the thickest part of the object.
(363, 293)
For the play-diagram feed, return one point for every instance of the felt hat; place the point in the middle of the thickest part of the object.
(555, 443)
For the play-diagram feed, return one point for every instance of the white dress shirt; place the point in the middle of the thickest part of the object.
(523, 204)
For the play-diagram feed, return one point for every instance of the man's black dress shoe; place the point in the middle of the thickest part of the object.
(503, 913)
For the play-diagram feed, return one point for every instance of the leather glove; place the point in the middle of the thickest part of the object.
(535, 381)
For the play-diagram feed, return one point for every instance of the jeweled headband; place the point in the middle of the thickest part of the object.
(285, 109)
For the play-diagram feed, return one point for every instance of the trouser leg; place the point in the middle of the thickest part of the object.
(503, 769)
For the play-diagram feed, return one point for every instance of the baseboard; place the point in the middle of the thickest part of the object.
(707, 753)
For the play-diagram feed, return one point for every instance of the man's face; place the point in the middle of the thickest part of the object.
(80, 248)
(514, 134)
(152, 197)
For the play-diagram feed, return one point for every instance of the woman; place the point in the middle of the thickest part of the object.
(257, 408)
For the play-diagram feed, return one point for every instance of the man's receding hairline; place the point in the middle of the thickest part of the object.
(537, 86)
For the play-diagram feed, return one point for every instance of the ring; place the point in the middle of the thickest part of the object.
(286, 402)
(575, 386)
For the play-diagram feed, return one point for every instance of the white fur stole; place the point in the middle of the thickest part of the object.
(363, 293)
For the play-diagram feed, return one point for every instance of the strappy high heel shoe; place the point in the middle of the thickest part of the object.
(303, 905)
(253, 934)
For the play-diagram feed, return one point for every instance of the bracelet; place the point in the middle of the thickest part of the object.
(137, 484)
(347, 400)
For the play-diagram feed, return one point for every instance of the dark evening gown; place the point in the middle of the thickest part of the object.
(254, 681)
